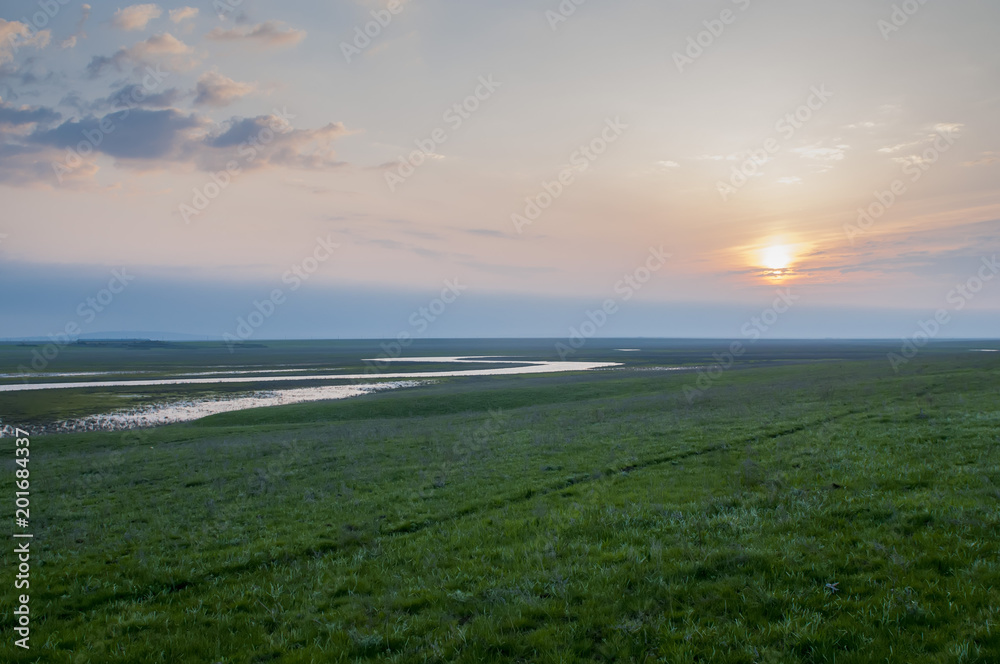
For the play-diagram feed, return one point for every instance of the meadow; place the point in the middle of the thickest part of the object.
(811, 506)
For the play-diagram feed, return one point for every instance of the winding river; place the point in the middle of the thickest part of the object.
(526, 367)
(198, 407)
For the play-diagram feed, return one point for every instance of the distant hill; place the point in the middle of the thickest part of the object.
(125, 336)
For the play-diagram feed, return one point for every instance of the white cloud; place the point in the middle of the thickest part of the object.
(889, 149)
(947, 128)
(214, 89)
(308, 149)
(136, 17)
(987, 159)
(34, 168)
(927, 136)
(820, 153)
(71, 41)
(183, 13)
(14, 35)
(269, 33)
(164, 49)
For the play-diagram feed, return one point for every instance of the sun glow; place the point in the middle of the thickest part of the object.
(778, 257)
(777, 260)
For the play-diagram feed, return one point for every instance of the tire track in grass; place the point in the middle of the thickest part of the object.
(560, 485)
(152, 592)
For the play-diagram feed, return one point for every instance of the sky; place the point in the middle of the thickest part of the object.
(371, 168)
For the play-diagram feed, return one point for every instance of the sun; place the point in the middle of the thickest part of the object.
(774, 258)
(777, 260)
(777, 257)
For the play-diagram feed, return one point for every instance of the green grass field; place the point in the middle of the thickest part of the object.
(812, 506)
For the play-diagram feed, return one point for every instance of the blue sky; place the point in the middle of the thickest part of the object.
(845, 152)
